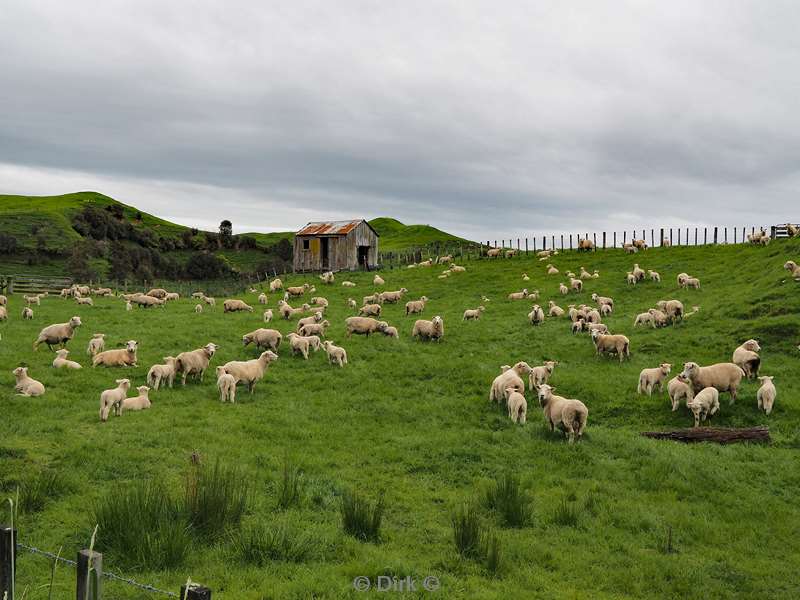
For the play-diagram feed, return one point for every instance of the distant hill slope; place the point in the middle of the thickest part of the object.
(397, 236)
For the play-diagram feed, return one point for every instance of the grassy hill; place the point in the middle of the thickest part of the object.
(395, 236)
(614, 516)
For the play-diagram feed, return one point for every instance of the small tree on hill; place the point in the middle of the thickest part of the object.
(226, 233)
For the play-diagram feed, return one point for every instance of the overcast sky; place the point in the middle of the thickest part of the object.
(487, 119)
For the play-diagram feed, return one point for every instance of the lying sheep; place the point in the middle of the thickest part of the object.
(58, 334)
(96, 344)
(27, 314)
(473, 314)
(518, 295)
(793, 268)
(525, 277)
(157, 293)
(85, 301)
(378, 280)
(564, 290)
(298, 344)
(457, 269)
(551, 270)
(654, 276)
(679, 389)
(414, 307)
(336, 354)
(194, 362)
(251, 371)
(263, 338)
(511, 378)
(725, 377)
(536, 316)
(541, 374)
(650, 378)
(122, 357)
(585, 274)
(162, 374)
(363, 326)
(370, 310)
(612, 344)
(348, 284)
(429, 330)
(555, 310)
(226, 384)
(26, 385)
(316, 329)
(140, 402)
(62, 362)
(747, 359)
(113, 398)
(517, 406)
(704, 404)
(328, 277)
(232, 305)
(566, 414)
(320, 301)
(766, 393)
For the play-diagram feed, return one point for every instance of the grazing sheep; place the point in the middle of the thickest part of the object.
(555, 310)
(536, 316)
(576, 285)
(650, 378)
(3, 300)
(336, 354)
(644, 319)
(27, 314)
(416, 306)
(371, 299)
(640, 244)
(251, 371)
(593, 316)
(315, 318)
(194, 362)
(680, 278)
(541, 374)
(793, 268)
(263, 338)
(172, 296)
(96, 344)
(235, 306)
(391, 297)
(518, 295)
(564, 290)
(363, 326)
(262, 298)
(378, 280)
(654, 276)
(145, 301)
(679, 389)
(725, 377)
(32, 300)
(122, 357)
(113, 398)
(162, 374)
(298, 290)
(315, 329)
(704, 404)
(551, 270)
(59, 334)
(320, 301)
(85, 301)
(275, 285)
(638, 272)
(348, 284)
(673, 309)
(766, 393)
(578, 326)
(585, 245)
(600, 327)
(226, 384)
(747, 359)
(429, 330)
(298, 344)
(510, 378)
(473, 314)
(62, 362)
(666, 243)
(567, 414)
(391, 332)
(612, 344)
(25, 385)
(3, 313)
(370, 310)
(691, 282)
(517, 406)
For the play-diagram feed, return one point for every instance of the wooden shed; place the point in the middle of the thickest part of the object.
(336, 246)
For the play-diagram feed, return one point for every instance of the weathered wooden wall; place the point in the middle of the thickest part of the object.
(342, 250)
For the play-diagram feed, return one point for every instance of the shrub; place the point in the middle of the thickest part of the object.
(215, 498)
(203, 265)
(507, 497)
(8, 244)
(361, 518)
(290, 487)
(260, 544)
(467, 531)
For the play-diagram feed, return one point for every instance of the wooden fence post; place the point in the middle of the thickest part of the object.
(726, 235)
(90, 575)
(594, 240)
(526, 246)
(615, 239)
(661, 243)
(553, 240)
(195, 592)
(687, 236)
(652, 239)
(570, 241)
(695, 236)
(679, 236)
(8, 560)
(716, 234)
(705, 235)
(544, 242)
(624, 237)
(604, 240)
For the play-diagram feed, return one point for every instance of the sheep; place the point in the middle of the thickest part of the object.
(226, 384)
(3, 300)
(194, 362)
(320, 301)
(493, 252)
(568, 414)
(640, 244)
(611, 344)
(525, 277)
(576, 285)
(96, 344)
(793, 268)
(275, 285)
(658, 318)
(172, 296)
(348, 284)
(263, 338)
(315, 318)
(62, 362)
(543, 253)
(32, 300)
(672, 308)
(370, 299)
(129, 306)
(473, 314)
(315, 329)
(517, 406)
(416, 306)
(26, 385)
(391, 297)
(650, 378)
(570, 274)
(298, 290)
(27, 314)
(585, 245)
(691, 282)
(679, 389)
(298, 344)
(578, 326)
(140, 402)
(555, 310)
(198, 308)
(145, 301)
(328, 277)
(551, 270)
(262, 298)
(792, 230)
(511, 378)
(159, 293)
(518, 295)
(83, 290)
(485, 299)
(630, 248)
(766, 393)
(680, 278)
(122, 357)
(231, 305)
(704, 404)
(536, 316)
(363, 325)
(638, 272)
(541, 374)
(198, 294)
(645, 318)
(60, 334)
(113, 398)
(209, 300)
(756, 237)
(162, 374)
(654, 276)
(601, 300)
(666, 243)
(443, 260)
(457, 269)
(593, 316)
(425, 263)
(251, 371)
(336, 354)
(370, 310)
(84, 301)
(630, 278)
(378, 280)
(599, 327)
(351, 304)
(585, 274)
(429, 330)
(564, 290)
(725, 377)
(747, 358)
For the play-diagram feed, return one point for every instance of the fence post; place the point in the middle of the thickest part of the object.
(615, 239)
(570, 241)
(652, 239)
(695, 236)
(716, 234)
(705, 235)
(544, 242)
(604, 240)
(526, 246)
(90, 575)
(195, 592)
(726, 235)
(679, 236)
(553, 241)
(534, 243)
(661, 239)
(687, 236)
(624, 237)
(8, 559)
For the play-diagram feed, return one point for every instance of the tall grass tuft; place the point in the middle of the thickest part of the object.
(142, 526)
(668, 545)
(215, 498)
(507, 497)
(290, 487)
(467, 531)
(260, 545)
(360, 517)
(37, 490)
(492, 556)
(567, 514)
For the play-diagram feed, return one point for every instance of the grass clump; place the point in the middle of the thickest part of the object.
(215, 498)
(567, 514)
(290, 486)
(36, 491)
(507, 497)
(474, 541)
(260, 545)
(360, 517)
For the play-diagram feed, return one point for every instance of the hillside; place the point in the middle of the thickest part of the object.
(395, 236)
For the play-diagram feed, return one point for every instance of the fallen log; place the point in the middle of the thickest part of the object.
(720, 435)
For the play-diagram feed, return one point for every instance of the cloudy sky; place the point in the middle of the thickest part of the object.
(488, 119)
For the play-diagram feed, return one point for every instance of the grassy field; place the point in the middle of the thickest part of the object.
(413, 419)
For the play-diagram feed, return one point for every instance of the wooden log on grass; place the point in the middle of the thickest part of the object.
(720, 435)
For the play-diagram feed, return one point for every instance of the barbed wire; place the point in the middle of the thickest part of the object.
(107, 574)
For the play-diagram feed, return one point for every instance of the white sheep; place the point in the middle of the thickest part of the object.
(555, 310)
(275, 285)
(298, 344)
(747, 359)
(793, 268)
(618, 344)
(113, 398)
(26, 385)
(27, 314)
(650, 378)
(391, 332)
(517, 406)
(536, 316)
(59, 334)
(654, 276)
(194, 362)
(416, 306)
(766, 393)
(121, 357)
(644, 319)
(348, 284)
(316, 329)
(473, 314)
(62, 362)
(378, 280)
(510, 378)
(164, 374)
(704, 404)
(251, 371)
(370, 310)
(576, 285)
(725, 377)
(363, 325)
(429, 330)
(140, 402)
(551, 270)
(269, 339)
(96, 344)
(32, 300)
(336, 354)
(226, 384)
(129, 306)
(563, 290)
(518, 295)
(351, 304)
(564, 413)
(679, 389)
(262, 298)
(631, 278)
(541, 374)
(233, 305)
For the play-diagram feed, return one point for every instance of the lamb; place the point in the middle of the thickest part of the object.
(210, 301)
(348, 284)
(473, 314)
(585, 245)
(569, 415)
(630, 248)
(315, 329)
(96, 344)
(60, 333)
(129, 306)
(658, 318)
(551, 270)
(391, 332)
(122, 357)
(198, 308)
(576, 285)
(511, 378)
(638, 272)
(27, 314)
(315, 318)
(371, 299)
(85, 301)
(601, 300)
(198, 295)
(666, 243)
(493, 252)
(631, 278)
(536, 316)
(172, 296)
(704, 404)
(650, 378)
(263, 338)
(654, 276)
(543, 253)
(336, 354)
(162, 374)
(672, 308)
(429, 330)
(611, 344)
(680, 278)
(725, 377)
(378, 280)
(328, 277)
(518, 295)
(679, 389)
(262, 298)
(564, 290)
(416, 306)
(297, 290)
(391, 297)
(691, 282)
(235, 306)
(511, 253)
(62, 362)
(517, 406)
(525, 277)
(578, 326)
(363, 326)
(766, 393)
(351, 304)
(541, 374)
(593, 316)
(320, 301)
(640, 244)
(32, 300)
(457, 269)
(113, 398)
(585, 274)
(226, 384)
(140, 402)
(251, 371)
(159, 293)
(747, 358)
(275, 285)
(26, 385)
(555, 310)
(793, 268)
(425, 263)
(645, 318)
(447, 258)
(370, 310)
(298, 344)
(605, 310)
(194, 362)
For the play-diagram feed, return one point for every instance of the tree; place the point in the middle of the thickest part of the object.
(78, 264)
(226, 233)
(120, 260)
(8, 244)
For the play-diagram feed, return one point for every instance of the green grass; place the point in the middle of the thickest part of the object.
(395, 236)
(413, 419)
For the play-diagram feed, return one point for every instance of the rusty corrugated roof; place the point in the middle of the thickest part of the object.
(330, 227)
